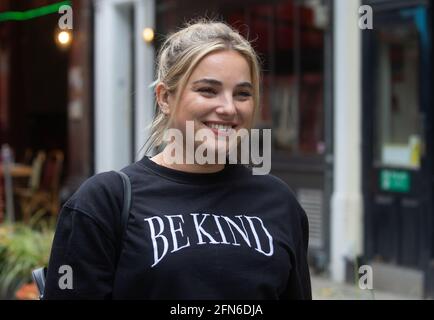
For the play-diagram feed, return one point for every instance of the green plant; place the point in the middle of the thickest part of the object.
(23, 247)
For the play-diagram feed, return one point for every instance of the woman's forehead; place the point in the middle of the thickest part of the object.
(222, 66)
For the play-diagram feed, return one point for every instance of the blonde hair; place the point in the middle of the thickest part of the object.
(182, 51)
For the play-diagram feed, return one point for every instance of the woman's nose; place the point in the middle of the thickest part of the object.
(227, 106)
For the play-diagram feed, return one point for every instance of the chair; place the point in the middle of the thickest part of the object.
(46, 195)
(2, 200)
(27, 158)
(50, 184)
(25, 194)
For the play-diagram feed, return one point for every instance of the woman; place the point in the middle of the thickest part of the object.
(195, 231)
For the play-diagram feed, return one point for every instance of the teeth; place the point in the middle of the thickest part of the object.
(219, 126)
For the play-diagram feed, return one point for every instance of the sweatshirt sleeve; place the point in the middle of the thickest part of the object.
(84, 252)
(299, 285)
(82, 259)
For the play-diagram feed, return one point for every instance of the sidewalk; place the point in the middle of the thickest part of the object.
(326, 289)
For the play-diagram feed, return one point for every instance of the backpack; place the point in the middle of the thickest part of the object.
(39, 274)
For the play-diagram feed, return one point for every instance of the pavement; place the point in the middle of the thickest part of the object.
(323, 288)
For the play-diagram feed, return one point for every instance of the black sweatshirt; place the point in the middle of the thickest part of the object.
(223, 235)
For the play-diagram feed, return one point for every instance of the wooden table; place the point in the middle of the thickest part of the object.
(17, 170)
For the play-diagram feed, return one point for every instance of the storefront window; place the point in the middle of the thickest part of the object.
(289, 37)
(398, 134)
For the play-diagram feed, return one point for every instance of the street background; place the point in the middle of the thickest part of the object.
(346, 91)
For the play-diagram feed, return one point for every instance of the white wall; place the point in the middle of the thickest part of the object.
(346, 211)
(115, 95)
(145, 61)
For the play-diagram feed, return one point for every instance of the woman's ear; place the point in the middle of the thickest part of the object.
(162, 95)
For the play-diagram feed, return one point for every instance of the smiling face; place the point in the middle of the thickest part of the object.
(218, 96)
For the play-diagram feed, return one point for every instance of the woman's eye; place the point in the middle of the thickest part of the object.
(207, 91)
(244, 94)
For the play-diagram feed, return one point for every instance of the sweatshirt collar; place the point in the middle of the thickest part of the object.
(228, 173)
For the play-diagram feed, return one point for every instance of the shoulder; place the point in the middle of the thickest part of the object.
(281, 188)
(99, 197)
(101, 180)
(276, 183)
(280, 193)
(99, 186)
(271, 183)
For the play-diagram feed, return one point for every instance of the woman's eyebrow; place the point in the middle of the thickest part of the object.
(245, 84)
(219, 83)
(208, 81)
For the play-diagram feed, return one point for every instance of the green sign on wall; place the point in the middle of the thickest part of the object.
(394, 180)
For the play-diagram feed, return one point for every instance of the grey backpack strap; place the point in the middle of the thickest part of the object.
(127, 201)
(39, 278)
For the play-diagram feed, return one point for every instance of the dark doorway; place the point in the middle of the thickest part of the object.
(397, 146)
(37, 82)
